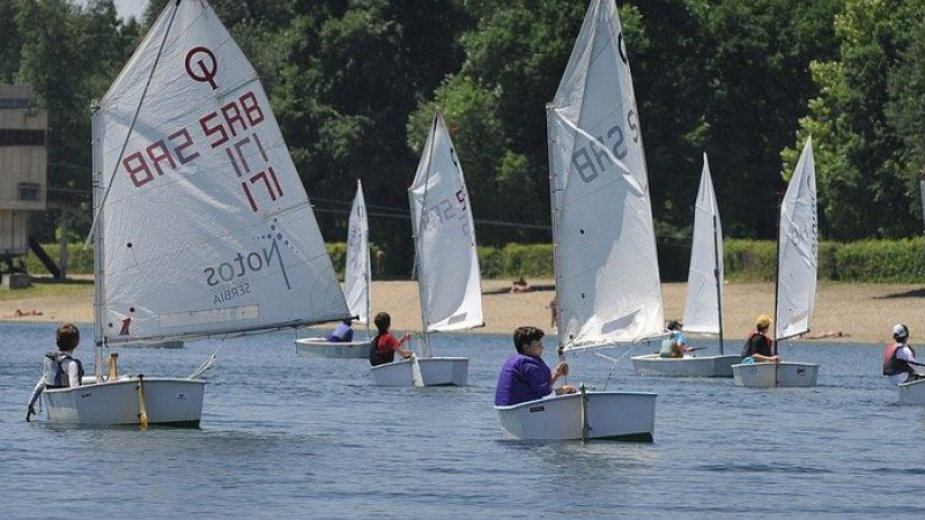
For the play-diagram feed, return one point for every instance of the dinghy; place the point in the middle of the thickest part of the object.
(703, 308)
(795, 291)
(606, 269)
(202, 228)
(357, 276)
(912, 392)
(449, 282)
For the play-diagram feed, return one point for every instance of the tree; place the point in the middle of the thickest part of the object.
(868, 158)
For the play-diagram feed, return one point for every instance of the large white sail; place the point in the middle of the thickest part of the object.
(607, 281)
(441, 216)
(206, 227)
(796, 270)
(705, 275)
(357, 273)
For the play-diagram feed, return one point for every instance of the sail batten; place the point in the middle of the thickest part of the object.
(206, 222)
(441, 216)
(798, 244)
(607, 282)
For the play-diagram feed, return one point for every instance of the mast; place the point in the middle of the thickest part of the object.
(417, 236)
(777, 272)
(719, 288)
(554, 211)
(97, 243)
(369, 265)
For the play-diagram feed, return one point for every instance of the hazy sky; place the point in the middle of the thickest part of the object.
(128, 8)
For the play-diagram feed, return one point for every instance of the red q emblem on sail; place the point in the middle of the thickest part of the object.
(202, 66)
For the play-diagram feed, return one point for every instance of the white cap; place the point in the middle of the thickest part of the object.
(900, 330)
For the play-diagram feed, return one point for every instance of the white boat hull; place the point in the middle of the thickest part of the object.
(175, 401)
(912, 392)
(705, 366)
(610, 415)
(321, 348)
(766, 375)
(432, 371)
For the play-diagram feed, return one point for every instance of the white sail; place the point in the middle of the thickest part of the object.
(607, 281)
(206, 228)
(441, 216)
(357, 274)
(705, 275)
(796, 271)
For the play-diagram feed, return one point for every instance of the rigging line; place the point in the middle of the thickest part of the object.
(131, 127)
(613, 365)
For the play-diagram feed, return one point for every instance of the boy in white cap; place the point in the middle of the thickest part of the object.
(897, 357)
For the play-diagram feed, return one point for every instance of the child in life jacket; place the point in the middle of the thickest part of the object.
(758, 346)
(899, 357)
(60, 369)
(384, 346)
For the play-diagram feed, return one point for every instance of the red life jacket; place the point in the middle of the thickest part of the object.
(893, 365)
(752, 334)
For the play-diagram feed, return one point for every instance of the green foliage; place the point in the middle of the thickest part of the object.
(80, 261)
(749, 260)
(882, 261)
(866, 121)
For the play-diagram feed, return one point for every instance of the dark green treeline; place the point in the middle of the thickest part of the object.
(355, 83)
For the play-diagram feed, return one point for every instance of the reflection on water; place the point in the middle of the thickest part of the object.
(285, 436)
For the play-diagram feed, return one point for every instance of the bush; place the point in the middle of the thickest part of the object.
(882, 261)
(898, 261)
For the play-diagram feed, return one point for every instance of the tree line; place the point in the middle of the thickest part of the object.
(354, 85)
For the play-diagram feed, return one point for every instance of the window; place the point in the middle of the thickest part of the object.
(29, 191)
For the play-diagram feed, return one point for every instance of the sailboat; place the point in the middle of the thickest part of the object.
(449, 282)
(703, 308)
(912, 392)
(606, 269)
(357, 276)
(795, 288)
(202, 227)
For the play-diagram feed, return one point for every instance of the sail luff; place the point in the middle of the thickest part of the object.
(798, 257)
(607, 283)
(98, 249)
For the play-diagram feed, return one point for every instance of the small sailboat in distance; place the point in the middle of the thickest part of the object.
(703, 308)
(357, 278)
(202, 227)
(606, 268)
(795, 288)
(449, 281)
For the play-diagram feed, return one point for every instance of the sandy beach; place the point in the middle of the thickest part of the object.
(863, 313)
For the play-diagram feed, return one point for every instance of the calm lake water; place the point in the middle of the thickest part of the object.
(284, 436)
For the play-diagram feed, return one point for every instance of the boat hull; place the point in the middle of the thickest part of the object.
(706, 366)
(432, 371)
(912, 392)
(321, 348)
(610, 415)
(167, 401)
(767, 375)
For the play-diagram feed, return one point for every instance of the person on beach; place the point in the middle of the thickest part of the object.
(520, 286)
(899, 357)
(343, 333)
(525, 376)
(384, 346)
(674, 345)
(758, 345)
(552, 312)
(60, 369)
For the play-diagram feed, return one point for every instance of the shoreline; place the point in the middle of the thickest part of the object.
(864, 313)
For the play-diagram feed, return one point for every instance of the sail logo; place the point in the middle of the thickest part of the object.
(251, 262)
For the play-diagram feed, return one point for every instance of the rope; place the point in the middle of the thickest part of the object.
(613, 365)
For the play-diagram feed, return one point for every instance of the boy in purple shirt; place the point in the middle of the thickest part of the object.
(525, 376)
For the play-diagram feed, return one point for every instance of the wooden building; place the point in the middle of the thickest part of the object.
(23, 167)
